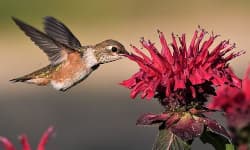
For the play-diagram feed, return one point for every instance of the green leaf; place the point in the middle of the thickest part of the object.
(218, 141)
(230, 147)
(166, 140)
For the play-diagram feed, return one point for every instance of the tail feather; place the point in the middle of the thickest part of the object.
(34, 75)
(32, 80)
(20, 79)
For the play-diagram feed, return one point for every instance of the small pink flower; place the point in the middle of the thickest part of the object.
(25, 143)
(185, 74)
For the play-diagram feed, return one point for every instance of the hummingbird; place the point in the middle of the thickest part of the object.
(70, 62)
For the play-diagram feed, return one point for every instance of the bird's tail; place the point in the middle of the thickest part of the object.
(39, 77)
(20, 79)
(32, 80)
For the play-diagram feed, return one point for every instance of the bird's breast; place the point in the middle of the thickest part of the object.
(90, 58)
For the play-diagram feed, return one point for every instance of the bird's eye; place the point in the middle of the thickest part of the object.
(114, 49)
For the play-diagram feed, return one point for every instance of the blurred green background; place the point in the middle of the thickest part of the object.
(98, 113)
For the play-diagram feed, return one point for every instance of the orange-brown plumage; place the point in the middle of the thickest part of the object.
(71, 66)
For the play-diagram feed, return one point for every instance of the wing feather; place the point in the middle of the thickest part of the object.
(53, 49)
(61, 33)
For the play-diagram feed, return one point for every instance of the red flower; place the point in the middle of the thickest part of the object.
(24, 141)
(235, 102)
(186, 74)
(181, 80)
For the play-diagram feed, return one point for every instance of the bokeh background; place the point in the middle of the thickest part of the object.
(98, 113)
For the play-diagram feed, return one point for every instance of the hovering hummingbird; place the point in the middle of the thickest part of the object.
(70, 62)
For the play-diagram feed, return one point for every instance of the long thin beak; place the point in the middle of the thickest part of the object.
(126, 53)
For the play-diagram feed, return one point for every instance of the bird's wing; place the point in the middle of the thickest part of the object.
(54, 50)
(61, 33)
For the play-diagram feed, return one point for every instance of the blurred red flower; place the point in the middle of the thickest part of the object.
(235, 102)
(25, 143)
(189, 72)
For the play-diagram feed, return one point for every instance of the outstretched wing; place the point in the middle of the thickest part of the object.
(58, 31)
(55, 51)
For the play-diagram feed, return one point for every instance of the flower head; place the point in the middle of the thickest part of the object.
(235, 102)
(184, 75)
(25, 143)
(182, 80)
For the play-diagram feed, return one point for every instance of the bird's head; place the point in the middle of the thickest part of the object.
(109, 50)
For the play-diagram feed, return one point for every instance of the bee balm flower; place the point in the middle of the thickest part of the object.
(235, 102)
(181, 80)
(188, 72)
(25, 143)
